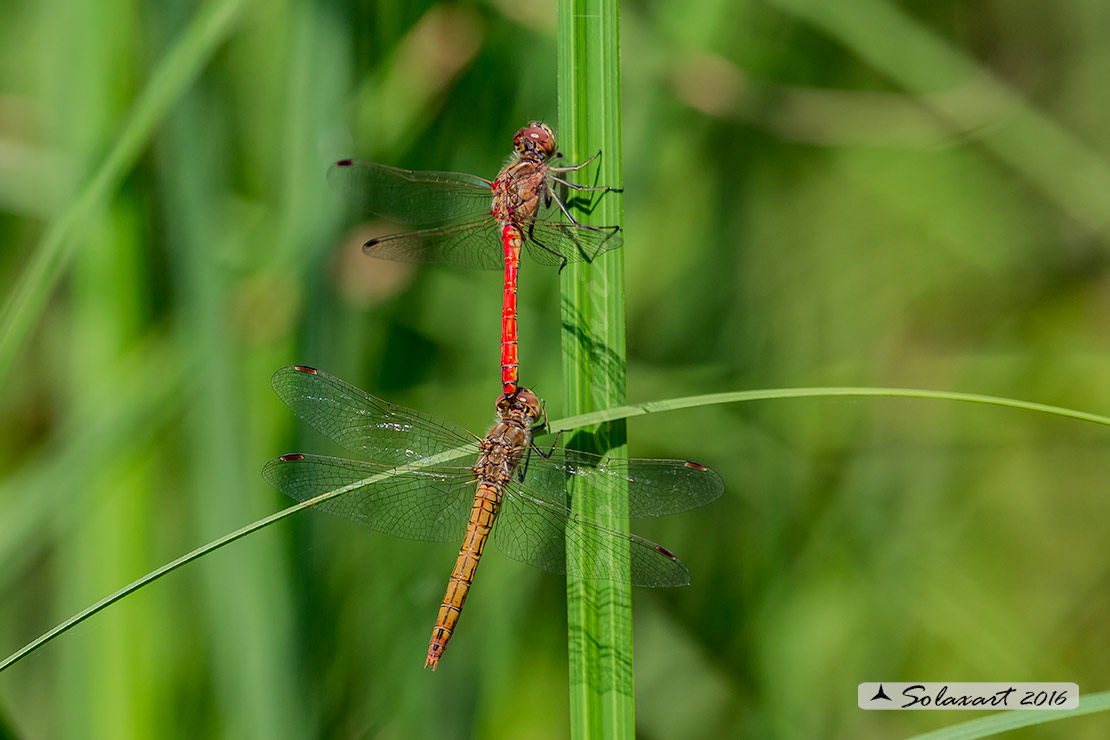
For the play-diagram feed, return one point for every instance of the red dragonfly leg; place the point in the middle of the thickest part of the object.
(573, 167)
(511, 239)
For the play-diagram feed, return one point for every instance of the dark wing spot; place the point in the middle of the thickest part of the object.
(696, 466)
(291, 457)
(312, 371)
(344, 163)
(666, 552)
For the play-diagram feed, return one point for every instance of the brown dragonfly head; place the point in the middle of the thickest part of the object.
(535, 141)
(523, 406)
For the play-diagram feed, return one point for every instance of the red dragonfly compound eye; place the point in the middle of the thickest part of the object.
(537, 138)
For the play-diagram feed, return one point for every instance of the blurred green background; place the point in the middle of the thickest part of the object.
(857, 193)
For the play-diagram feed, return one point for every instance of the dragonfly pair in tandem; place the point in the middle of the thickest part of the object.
(426, 479)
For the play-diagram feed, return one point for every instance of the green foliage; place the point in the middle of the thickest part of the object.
(885, 196)
(599, 613)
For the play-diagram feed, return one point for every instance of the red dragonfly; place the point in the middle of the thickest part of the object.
(482, 223)
(420, 474)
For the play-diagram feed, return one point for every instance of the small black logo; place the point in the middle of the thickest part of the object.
(881, 695)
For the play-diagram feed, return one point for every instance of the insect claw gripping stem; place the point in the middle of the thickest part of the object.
(551, 450)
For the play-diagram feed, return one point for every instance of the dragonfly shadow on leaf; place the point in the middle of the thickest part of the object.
(606, 364)
(586, 203)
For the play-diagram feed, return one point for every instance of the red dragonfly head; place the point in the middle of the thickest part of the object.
(535, 141)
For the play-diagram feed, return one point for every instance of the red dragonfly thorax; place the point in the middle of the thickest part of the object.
(522, 183)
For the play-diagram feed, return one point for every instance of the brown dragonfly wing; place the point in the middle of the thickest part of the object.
(653, 487)
(536, 531)
(377, 430)
(431, 504)
(536, 522)
(475, 244)
(410, 196)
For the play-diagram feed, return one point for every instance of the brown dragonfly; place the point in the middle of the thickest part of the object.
(424, 478)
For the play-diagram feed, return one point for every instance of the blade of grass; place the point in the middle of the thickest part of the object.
(599, 613)
(619, 413)
(212, 546)
(238, 612)
(154, 575)
(996, 724)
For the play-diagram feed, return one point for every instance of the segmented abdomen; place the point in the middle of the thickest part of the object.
(487, 502)
(511, 240)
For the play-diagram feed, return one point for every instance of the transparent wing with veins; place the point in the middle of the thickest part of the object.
(418, 484)
(371, 428)
(465, 234)
(410, 196)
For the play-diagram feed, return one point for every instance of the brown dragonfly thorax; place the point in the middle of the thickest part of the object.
(519, 414)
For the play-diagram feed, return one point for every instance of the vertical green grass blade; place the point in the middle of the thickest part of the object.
(599, 617)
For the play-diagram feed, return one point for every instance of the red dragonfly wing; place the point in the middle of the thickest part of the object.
(472, 244)
(553, 243)
(477, 244)
(554, 240)
(410, 196)
(469, 236)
